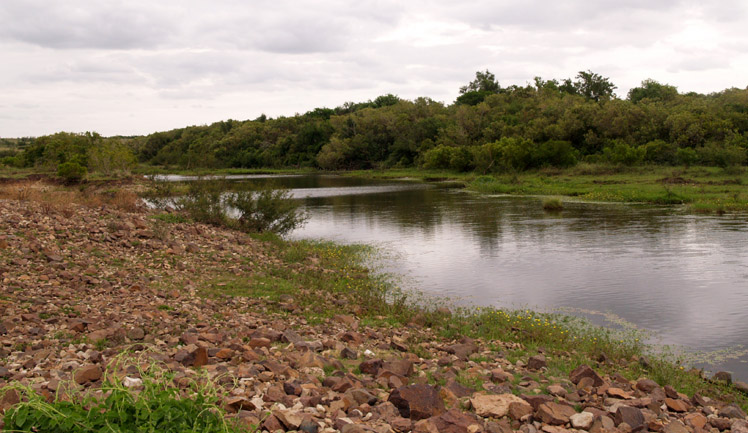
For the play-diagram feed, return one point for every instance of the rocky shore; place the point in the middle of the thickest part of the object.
(82, 285)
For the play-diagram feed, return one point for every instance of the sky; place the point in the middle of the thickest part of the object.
(139, 66)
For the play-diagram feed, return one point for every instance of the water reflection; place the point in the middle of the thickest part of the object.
(682, 276)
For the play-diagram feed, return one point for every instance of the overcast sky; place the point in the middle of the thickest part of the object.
(139, 66)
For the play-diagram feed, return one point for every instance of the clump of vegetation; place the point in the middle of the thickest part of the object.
(553, 205)
(213, 201)
(156, 406)
(71, 172)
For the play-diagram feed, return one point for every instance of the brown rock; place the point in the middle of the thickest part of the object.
(272, 424)
(254, 343)
(417, 401)
(720, 423)
(675, 426)
(462, 351)
(732, 411)
(696, 420)
(371, 366)
(496, 406)
(536, 362)
(723, 376)
(89, 373)
(401, 367)
(536, 400)
(631, 416)
(646, 385)
(555, 413)
(585, 371)
(455, 421)
(517, 410)
(235, 404)
(619, 393)
(676, 405)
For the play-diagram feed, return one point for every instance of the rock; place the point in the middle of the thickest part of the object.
(741, 386)
(696, 420)
(417, 401)
(132, 382)
(732, 411)
(272, 424)
(462, 351)
(500, 376)
(557, 390)
(518, 411)
(235, 404)
(619, 393)
(720, 423)
(4, 372)
(631, 416)
(585, 371)
(582, 420)
(675, 426)
(308, 426)
(401, 367)
(136, 334)
(288, 418)
(371, 366)
(348, 353)
(536, 362)
(555, 413)
(454, 421)
(646, 385)
(676, 405)
(536, 400)
(89, 373)
(723, 376)
(496, 406)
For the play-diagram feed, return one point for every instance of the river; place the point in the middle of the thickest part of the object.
(683, 277)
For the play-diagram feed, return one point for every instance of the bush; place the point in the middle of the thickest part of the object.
(267, 210)
(438, 157)
(71, 172)
(555, 153)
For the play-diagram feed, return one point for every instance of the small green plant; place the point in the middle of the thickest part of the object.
(266, 210)
(158, 407)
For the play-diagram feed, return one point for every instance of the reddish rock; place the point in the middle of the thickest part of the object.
(536, 400)
(462, 351)
(555, 413)
(537, 362)
(89, 373)
(455, 421)
(676, 405)
(417, 401)
(646, 385)
(371, 366)
(585, 371)
(631, 416)
(401, 367)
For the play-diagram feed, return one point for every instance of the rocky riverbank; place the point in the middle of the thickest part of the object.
(82, 284)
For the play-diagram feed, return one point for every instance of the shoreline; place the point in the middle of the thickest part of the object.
(79, 262)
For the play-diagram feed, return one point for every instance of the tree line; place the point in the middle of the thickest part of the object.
(489, 128)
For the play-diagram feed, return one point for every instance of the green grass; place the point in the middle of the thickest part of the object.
(157, 407)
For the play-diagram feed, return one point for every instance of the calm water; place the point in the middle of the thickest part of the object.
(683, 276)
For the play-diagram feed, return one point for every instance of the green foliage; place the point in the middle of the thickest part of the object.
(483, 82)
(620, 152)
(159, 408)
(212, 201)
(559, 122)
(267, 210)
(71, 172)
(111, 156)
(653, 91)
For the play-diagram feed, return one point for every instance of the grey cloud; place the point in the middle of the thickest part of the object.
(81, 24)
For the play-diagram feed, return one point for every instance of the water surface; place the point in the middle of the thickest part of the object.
(683, 276)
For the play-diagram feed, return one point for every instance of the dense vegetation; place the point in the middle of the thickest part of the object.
(488, 128)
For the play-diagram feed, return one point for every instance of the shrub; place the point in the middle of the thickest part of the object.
(438, 157)
(71, 172)
(553, 205)
(266, 210)
(555, 153)
(204, 201)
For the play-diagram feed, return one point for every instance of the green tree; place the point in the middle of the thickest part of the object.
(594, 86)
(483, 82)
(652, 90)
